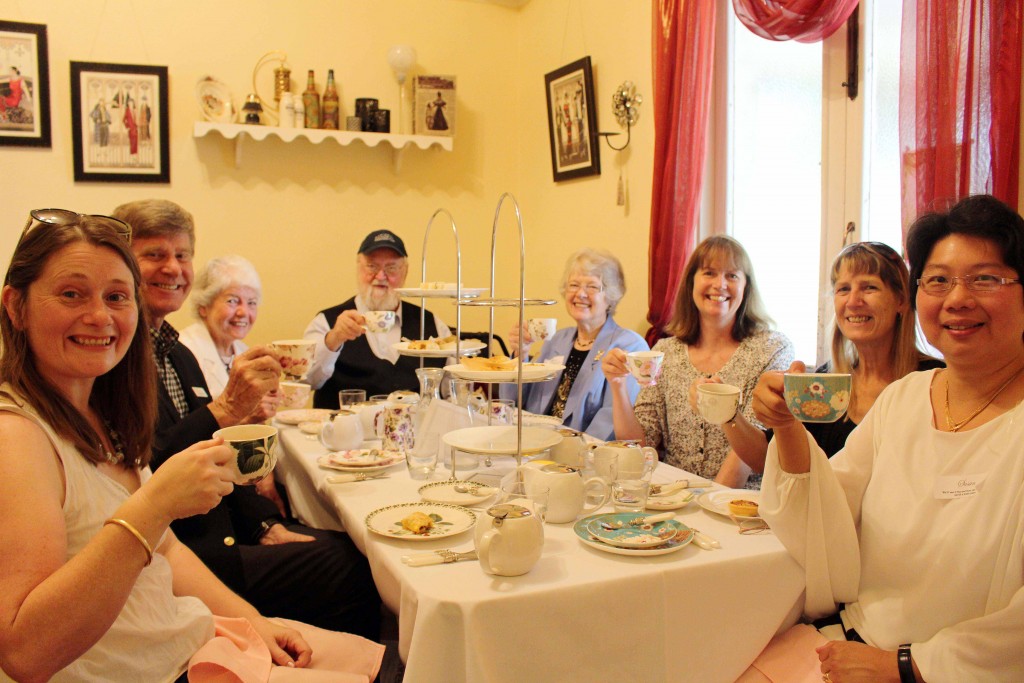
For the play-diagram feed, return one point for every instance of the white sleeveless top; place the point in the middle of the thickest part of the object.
(156, 633)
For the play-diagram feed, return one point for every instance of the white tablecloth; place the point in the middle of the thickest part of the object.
(581, 614)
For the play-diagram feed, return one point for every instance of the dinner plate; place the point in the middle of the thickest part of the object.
(364, 457)
(532, 372)
(682, 538)
(468, 347)
(467, 292)
(615, 529)
(444, 492)
(448, 520)
(534, 420)
(501, 439)
(294, 417)
(718, 501)
(325, 462)
(673, 501)
(214, 100)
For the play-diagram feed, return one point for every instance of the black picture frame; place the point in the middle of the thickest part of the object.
(25, 86)
(571, 114)
(119, 123)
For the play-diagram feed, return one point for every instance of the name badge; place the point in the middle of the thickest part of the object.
(958, 487)
(200, 392)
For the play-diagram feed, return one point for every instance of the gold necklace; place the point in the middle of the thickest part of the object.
(957, 426)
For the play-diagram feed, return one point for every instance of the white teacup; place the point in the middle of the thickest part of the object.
(254, 451)
(645, 366)
(717, 403)
(296, 355)
(294, 394)
(343, 432)
(379, 321)
(542, 329)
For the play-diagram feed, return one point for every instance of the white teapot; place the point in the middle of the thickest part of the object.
(568, 492)
(343, 432)
(509, 539)
(568, 451)
(634, 461)
(371, 415)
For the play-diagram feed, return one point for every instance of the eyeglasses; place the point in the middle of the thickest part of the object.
(591, 290)
(936, 285)
(878, 248)
(391, 269)
(63, 217)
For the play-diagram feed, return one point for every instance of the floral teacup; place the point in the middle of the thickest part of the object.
(817, 396)
(645, 366)
(379, 321)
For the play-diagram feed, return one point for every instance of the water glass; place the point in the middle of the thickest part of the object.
(533, 496)
(349, 397)
(630, 495)
(421, 462)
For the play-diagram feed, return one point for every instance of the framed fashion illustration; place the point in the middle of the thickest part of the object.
(119, 123)
(572, 121)
(24, 85)
(433, 105)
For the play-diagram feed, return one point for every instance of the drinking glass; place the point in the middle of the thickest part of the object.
(630, 495)
(349, 397)
(532, 496)
(421, 462)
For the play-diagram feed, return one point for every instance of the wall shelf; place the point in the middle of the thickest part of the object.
(398, 143)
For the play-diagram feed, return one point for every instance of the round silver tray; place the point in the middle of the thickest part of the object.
(506, 302)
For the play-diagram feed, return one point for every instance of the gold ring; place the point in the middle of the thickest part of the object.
(826, 678)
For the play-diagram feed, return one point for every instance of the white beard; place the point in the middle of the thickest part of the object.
(388, 301)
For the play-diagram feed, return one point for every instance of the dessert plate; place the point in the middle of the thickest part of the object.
(615, 529)
(364, 457)
(681, 539)
(325, 462)
(468, 347)
(444, 492)
(448, 520)
(674, 501)
(214, 100)
(718, 501)
(294, 417)
(501, 439)
(532, 372)
(467, 292)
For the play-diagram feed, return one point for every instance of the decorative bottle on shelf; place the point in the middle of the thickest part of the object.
(311, 103)
(329, 114)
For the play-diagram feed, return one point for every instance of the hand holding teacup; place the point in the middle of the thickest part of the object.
(193, 481)
(716, 402)
(769, 402)
(254, 374)
(348, 326)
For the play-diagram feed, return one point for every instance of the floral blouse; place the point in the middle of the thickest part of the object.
(671, 425)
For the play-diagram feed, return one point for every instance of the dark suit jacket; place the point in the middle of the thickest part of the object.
(215, 536)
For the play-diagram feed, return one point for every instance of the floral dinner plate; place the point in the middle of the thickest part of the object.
(325, 462)
(581, 529)
(448, 520)
(615, 529)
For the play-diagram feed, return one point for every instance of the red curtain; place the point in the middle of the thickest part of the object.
(960, 70)
(684, 43)
(805, 21)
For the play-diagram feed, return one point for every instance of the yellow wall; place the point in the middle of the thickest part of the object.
(299, 210)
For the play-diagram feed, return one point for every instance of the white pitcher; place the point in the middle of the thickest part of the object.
(568, 491)
(509, 539)
(344, 432)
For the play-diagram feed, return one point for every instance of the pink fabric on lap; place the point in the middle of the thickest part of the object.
(237, 654)
(788, 658)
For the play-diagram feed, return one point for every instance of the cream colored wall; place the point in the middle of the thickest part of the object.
(299, 210)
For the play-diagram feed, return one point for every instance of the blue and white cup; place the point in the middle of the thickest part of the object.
(817, 396)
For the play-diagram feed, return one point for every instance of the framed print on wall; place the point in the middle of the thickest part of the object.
(572, 123)
(119, 124)
(433, 105)
(24, 85)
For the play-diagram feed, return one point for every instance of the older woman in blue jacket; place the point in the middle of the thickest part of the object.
(593, 285)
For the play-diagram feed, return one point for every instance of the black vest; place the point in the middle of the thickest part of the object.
(358, 368)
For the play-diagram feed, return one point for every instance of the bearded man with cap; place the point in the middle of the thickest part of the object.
(346, 356)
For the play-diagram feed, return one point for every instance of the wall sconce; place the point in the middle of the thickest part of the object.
(626, 107)
(401, 59)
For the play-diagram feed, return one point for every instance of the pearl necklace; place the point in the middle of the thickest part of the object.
(957, 426)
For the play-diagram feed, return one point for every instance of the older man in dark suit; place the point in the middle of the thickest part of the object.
(283, 568)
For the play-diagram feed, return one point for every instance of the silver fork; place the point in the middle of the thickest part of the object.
(452, 556)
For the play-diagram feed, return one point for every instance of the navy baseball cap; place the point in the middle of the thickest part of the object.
(382, 239)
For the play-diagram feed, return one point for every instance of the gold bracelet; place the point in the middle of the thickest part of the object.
(134, 532)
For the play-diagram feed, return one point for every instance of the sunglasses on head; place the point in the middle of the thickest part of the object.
(63, 218)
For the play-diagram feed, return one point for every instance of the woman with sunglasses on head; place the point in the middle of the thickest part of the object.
(96, 587)
(915, 530)
(592, 284)
(720, 333)
(873, 339)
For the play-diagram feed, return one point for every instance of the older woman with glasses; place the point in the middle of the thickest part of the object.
(873, 339)
(914, 532)
(592, 284)
(96, 586)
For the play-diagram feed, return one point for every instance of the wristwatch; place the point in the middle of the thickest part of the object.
(265, 526)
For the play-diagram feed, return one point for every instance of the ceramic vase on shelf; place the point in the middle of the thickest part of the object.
(329, 111)
(311, 103)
